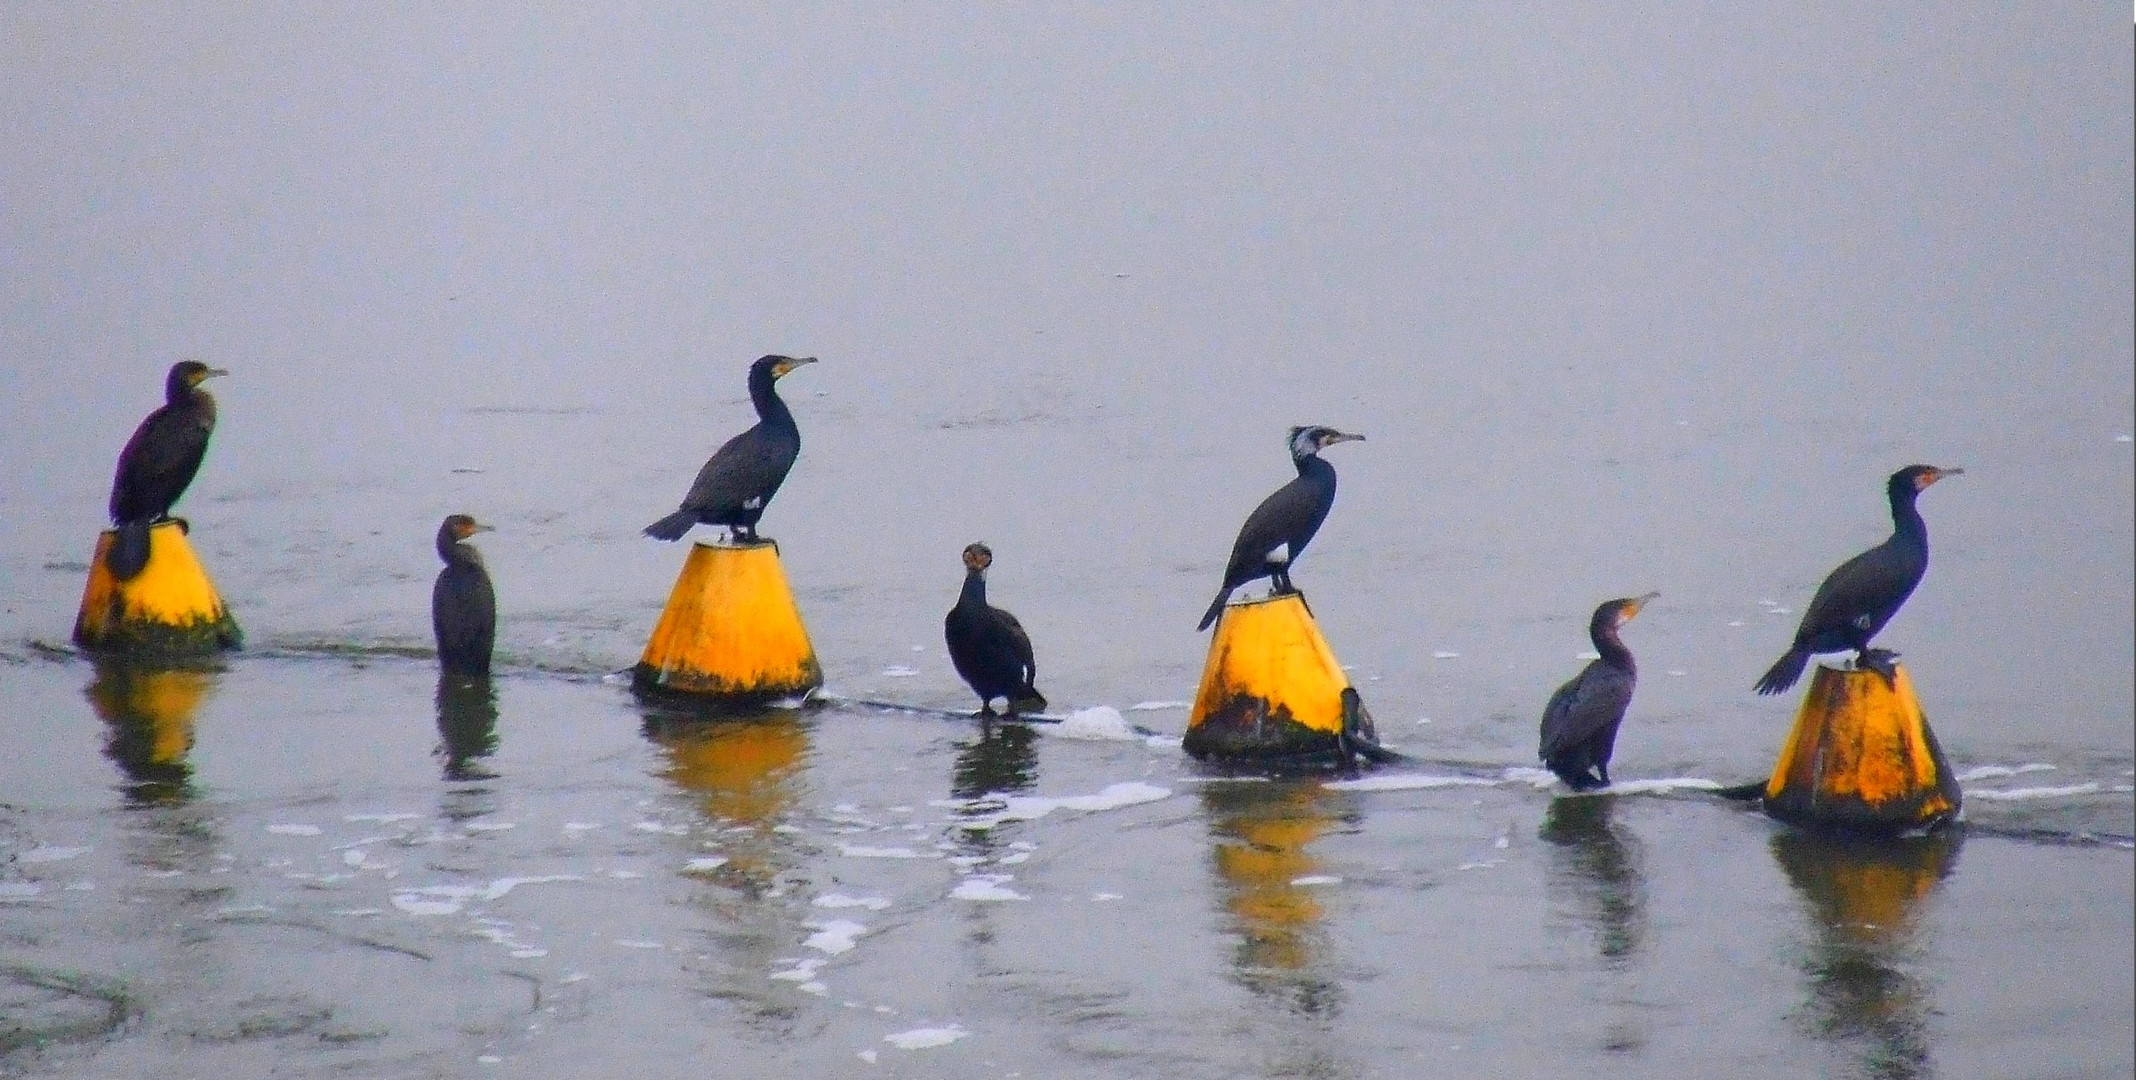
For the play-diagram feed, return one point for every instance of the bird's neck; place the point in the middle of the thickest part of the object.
(1611, 646)
(764, 394)
(1906, 520)
(974, 594)
(1312, 466)
(456, 553)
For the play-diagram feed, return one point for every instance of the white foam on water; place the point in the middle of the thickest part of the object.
(580, 826)
(636, 943)
(2089, 787)
(1483, 865)
(381, 819)
(703, 863)
(1983, 772)
(1164, 742)
(447, 899)
(926, 1038)
(987, 888)
(1410, 782)
(1587, 654)
(854, 851)
(1156, 706)
(415, 904)
(900, 671)
(1012, 860)
(490, 826)
(358, 912)
(657, 827)
(14, 891)
(868, 1056)
(1100, 897)
(1033, 807)
(1316, 879)
(1539, 779)
(294, 830)
(1096, 722)
(834, 937)
(45, 853)
(840, 900)
(1446, 654)
(802, 970)
(364, 842)
(1660, 785)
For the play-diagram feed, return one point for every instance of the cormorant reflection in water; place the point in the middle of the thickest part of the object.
(1597, 869)
(1004, 759)
(1864, 898)
(467, 725)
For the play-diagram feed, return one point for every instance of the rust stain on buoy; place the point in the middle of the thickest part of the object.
(730, 634)
(1861, 757)
(170, 610)
(1272, 688)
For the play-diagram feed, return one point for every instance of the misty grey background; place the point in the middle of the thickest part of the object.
(1624, 299)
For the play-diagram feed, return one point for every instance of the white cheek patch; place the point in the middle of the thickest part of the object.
(754, 502)
(1280, 556)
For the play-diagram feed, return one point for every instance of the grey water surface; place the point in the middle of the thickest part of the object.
(1622, 299)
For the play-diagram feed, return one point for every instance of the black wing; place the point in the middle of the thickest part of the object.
(1020, 644)
(1593, 700)
(750, 465)
(158, 464)
(1859, 597)
(1291, 514)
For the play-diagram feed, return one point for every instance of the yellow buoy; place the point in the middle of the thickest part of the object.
(1861, 757)
(150, 712)
(1272, 688)
(730, 634)
(168, 610)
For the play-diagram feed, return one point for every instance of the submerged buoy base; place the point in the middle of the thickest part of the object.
(170, 610)
(730, 635)
(1272, 689)
(1861, 758)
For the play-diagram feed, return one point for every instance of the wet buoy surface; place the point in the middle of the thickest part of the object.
(170, 610)
(1272, 688)
(731, 634)
(1861, 757)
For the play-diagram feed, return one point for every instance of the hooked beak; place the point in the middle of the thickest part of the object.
(1340, 437)
(1936, 474)
(790, 365)
(214, 371)
(1638, 603)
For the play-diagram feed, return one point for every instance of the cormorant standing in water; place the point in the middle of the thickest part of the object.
(742, 476)
(1580, 723)
(1285, 522)
(159, 463)
(1865, 592)
(988, 646)
(463, 606)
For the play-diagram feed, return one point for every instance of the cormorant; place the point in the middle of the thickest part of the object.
(463, 606)
(159, 463)
(1580, 723)
(1865, 592)
(988, 646)
(1278, 529)
(742, 476)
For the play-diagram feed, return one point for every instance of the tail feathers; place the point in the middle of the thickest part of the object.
(672, 526)
(1216, 607)
(1784, 672)
(129, 551)
(1027, 700)
(1577, 775)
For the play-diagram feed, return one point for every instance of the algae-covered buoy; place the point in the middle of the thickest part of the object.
(730, 635)
(167, 610)
(1272, 688)
(1861, 757)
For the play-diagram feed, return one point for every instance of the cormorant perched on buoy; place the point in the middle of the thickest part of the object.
(463, 606)
(742, 476)
(159, 463)
(1580, 723)
(1285, 522)
(1865, 592)
(988, 646)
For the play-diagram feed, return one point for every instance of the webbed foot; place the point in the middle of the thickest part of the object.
(1880, 661)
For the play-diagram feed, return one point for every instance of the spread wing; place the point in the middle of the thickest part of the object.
(1593, 700)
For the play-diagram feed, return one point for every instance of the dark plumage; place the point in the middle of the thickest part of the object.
(1580, 723)
(988, 646)
(734, 486)
(1278, 529)
(1865, 592)
(463, 606)
(159, 463)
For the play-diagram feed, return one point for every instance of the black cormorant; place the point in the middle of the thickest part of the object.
(1285, 522)
(988, 646)
(159, 463)
(463, 606)
(1580, 723)
(742, 476)
(1865, 592)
